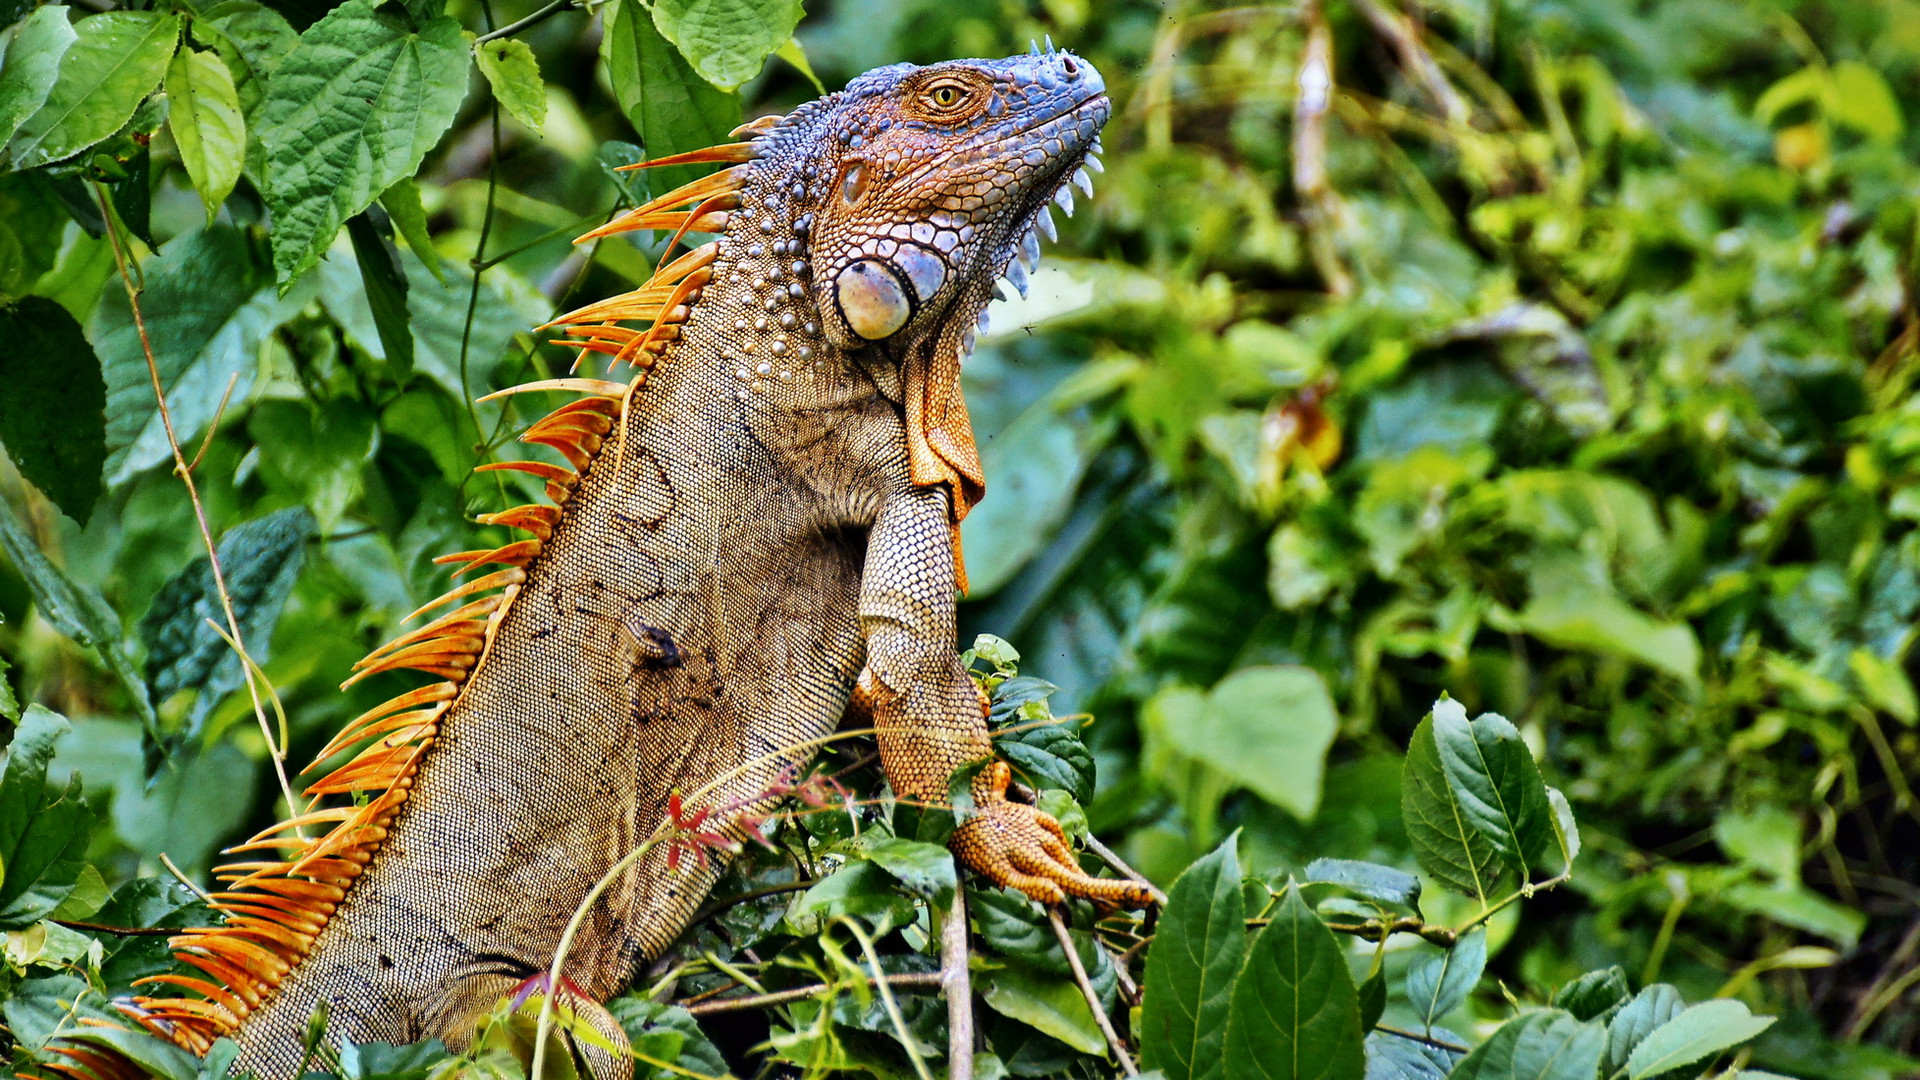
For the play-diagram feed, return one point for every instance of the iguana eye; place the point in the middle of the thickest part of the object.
(855, 184)
(946, 96)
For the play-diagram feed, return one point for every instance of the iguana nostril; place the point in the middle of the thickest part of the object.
(1072, 69)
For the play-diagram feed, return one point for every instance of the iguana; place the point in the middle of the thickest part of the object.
(756, 531)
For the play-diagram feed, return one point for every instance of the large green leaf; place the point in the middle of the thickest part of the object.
(1438, 982)
(514, 75)
(1450, 849)
(350, 111)
(1495, 783)
(1700, 1032)
(74, 610)
(208, 306)
(1049, 1003)
(1196, 955)
(252, 38)
(1652, 1007)
(1268, 729)
(925, 870)
(43, 831)
(1547, 1044)
(33, 61)
(385, 283)
(115, 61)
(1295, 1012)
(208, 128)
(53, 415)
(727, 41)
(672, 108)
(260, 561)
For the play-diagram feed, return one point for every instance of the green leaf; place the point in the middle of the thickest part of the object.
(350, 111)
(208, 128)
(1371, 880)
(1196, 954)
(1050, 1004)
(1008, 923)
(317, 453)
(1449, 848)
(1807, 84)
(1267, 728)
(1800, 908)
(1390, 1057)
(1650, 1008)
(1766, 838)
(75, 611)
(1700, 1032)
(33, 56)
(1037, 463)
(261, 560)
(1437, 983)
(208, 306)
(1495, 782)
(514, 75)
(43, 831)
(1544, 1045)
(1295, 1012)
(1048, 756)
(1569, 607)
(858, 889)
(925, 870)
(53, 416)
(727, 41)
(1862, 100)
(1566, 832)
(158, 1057)
(115, 61)
(402, 203)
(252, 38)
(1373, 999)
(666, 1033)
(1595, 994)
(9, 710)
(672, 108)
(386, 288)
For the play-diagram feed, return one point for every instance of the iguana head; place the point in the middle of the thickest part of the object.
(923, 179)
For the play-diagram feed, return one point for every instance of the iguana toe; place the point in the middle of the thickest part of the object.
(1019, 847)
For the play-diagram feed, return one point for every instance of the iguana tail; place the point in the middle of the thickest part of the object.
(300, 871)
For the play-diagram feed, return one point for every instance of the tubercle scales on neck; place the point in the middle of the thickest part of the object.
(277, 906)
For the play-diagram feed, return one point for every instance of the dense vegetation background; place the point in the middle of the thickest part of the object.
(1557, 356)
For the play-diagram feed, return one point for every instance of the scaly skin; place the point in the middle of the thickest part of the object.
(766, 532)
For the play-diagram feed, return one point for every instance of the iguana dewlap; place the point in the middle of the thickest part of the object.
(757, 528)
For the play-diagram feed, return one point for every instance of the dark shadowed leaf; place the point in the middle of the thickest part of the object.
(53, 415)
(386, 288)
(261, 560)
(1390, 1057)
(160, 1058)
(1049, 756)
(1295, 1013)
(350, 111)
(1437, 982)
(925, 870)
(1595, 994)
(1191, 968)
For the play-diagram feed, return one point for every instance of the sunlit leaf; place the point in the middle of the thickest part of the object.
(514, 75)
(207, 125)
(673, 109)
(1196, 956)
(116, 59)
(727, 41)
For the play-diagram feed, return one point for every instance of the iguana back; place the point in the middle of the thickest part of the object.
(759, 528)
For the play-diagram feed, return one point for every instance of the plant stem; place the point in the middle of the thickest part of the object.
(1093, 1000)
(532, 20)
(956, 984)
(1120, 867)
(900, 1028)
(914, 980)
(1414, 1036)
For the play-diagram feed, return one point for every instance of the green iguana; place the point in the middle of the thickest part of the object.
(757, 531)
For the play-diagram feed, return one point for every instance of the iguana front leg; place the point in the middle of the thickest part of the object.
(930, 718)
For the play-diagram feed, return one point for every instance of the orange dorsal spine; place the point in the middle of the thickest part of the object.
(275, 907)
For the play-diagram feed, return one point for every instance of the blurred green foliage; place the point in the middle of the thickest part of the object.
(1557, 355)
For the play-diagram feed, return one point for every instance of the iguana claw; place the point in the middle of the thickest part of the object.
(1020, 847)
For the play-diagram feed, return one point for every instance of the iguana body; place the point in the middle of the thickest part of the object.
(760, 528)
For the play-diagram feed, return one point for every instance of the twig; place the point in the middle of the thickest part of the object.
(913, 980)
(1093, 1000)
(213, 426)
(1415, 60)
(534, 19)
(1311, 104)
(1119, 867)
(907, 1041)
(956, 984)
(184, 879)
(1414, 1036)
(119, 931)
(1128, 986)
(185, 472)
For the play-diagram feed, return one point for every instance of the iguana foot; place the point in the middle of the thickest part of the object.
(1022, 848)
